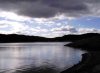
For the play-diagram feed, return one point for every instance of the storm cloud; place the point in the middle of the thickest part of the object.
(50, 8)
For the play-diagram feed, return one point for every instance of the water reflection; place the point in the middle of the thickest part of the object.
(37, 57)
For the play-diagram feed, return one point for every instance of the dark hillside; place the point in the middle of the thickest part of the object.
(25, 38)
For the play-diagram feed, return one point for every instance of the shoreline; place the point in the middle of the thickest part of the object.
(77, 68)
(90, 64)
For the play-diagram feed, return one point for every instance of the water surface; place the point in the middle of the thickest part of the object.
(37, 57)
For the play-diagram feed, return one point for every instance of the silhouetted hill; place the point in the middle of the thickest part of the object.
(74, 38)
(24, 38)
(20, 38)
(91, 43)
(88, 44)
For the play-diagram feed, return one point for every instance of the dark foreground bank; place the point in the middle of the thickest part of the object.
(91, 60)
(90, 64)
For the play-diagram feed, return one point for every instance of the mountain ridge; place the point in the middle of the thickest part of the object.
(25, 38)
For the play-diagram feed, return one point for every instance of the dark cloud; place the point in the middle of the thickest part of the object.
(49, 8)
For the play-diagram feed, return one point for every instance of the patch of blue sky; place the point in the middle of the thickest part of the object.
(62, 21)
(6, 28)
(3, 18)
(86, 22)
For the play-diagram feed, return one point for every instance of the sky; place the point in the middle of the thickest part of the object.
(49, 18)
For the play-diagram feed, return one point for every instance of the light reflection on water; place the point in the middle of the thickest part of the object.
(37, 57)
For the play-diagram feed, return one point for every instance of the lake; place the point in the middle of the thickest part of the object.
(37, 57)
